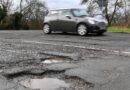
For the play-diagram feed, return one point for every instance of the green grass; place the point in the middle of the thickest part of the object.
(119, 29)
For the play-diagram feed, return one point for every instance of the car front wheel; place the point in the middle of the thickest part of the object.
(82, 29)
(46, 29)
(100, 33)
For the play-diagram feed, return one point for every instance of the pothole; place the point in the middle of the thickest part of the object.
(1, 71)
(52, 82)
(55, 60)
(45, 84)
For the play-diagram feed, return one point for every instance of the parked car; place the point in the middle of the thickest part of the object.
(74, 20)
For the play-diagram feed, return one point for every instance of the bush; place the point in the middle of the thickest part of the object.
(17, 19)
(35, 24)
(6, 24)
(3, 13)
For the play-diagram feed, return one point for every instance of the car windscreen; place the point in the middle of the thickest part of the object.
(79, 12)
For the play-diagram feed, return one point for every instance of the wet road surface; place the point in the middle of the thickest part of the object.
(86, 63)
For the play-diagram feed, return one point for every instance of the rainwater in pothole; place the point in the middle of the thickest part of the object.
(1, 71)
(54, 60)
(52, 82)
(45, 84)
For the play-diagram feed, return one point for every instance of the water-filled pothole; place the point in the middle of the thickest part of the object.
(54, 60)
(45, 84)
(52, 82)
(1, 71)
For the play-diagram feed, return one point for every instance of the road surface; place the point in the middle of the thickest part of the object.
(99, 62)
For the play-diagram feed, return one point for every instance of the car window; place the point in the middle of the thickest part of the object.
(53, 13)
(66, 12)
(80, 12)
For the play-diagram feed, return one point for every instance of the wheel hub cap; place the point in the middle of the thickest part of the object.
(46, 29)
(82, 30)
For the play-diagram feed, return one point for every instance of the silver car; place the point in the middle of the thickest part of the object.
(74, 20)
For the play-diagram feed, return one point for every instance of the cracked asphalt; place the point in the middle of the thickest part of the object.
(103, 62)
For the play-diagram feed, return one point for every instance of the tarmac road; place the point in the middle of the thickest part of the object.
(101, 61)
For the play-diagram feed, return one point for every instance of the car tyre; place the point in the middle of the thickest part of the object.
(64, 32)
(82, 30)
(47, 29)
(100, 33)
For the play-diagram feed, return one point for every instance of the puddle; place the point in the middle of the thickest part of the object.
(1, 71)
(55, 60)
(52, 61)
(45, 84)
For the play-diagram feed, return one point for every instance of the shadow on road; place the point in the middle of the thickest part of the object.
(75, 34)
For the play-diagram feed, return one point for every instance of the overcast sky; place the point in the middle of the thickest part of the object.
(55, 4)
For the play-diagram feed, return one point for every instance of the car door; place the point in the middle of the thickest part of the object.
(54, 21)
(66, 22)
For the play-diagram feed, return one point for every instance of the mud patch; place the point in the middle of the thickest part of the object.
(45, 84)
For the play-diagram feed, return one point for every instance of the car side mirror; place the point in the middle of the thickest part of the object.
(68, 16)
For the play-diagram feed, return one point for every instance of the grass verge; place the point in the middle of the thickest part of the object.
(119, 29)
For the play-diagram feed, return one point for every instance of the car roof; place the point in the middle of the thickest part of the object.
(64, 9)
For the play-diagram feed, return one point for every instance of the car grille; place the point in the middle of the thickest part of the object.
(101, 24)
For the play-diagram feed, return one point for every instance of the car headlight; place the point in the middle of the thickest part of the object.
(106, 22)
(91, 21)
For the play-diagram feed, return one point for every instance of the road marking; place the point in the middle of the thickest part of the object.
(13, 51)
(126, 52)
(22, 51)
(81, 47)
(75, 46)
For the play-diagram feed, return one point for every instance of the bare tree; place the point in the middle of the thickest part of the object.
(110, 9)
(23, 11)
(21, 6)
(93, 8)
(126, 10)
(35, 9)
(7, 4)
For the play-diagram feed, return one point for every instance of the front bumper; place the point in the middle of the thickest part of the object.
(100, 27)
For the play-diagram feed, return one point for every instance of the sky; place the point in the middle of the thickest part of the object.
(57, 4)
